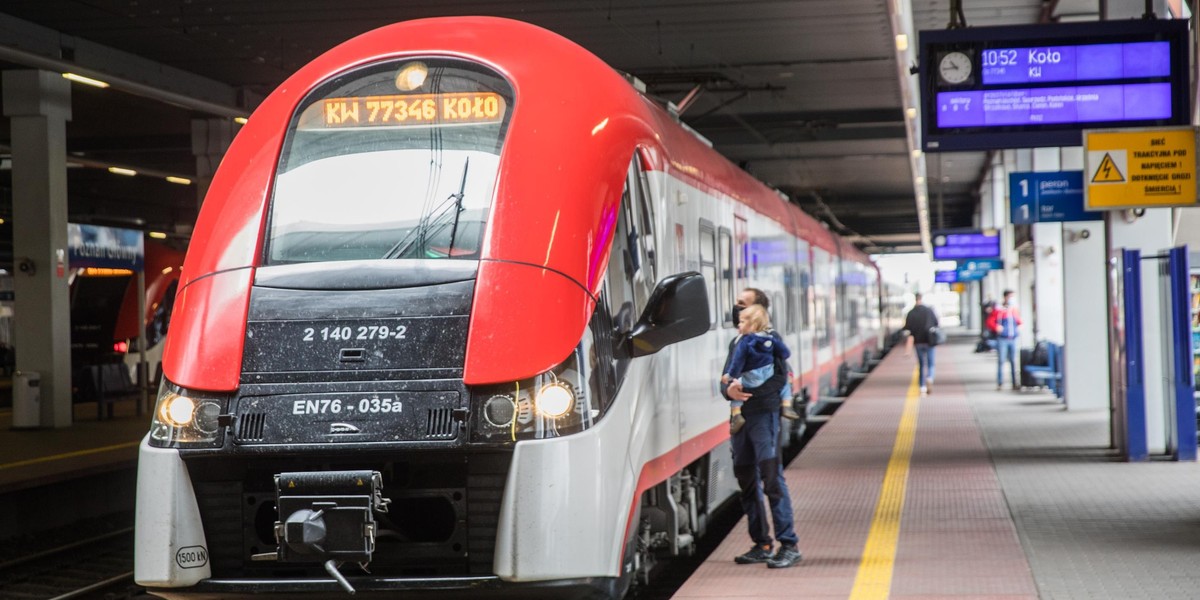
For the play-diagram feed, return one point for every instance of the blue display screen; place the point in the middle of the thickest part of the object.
(945, 277)
(965, 245)
(1049, 105)
(987, 88)
(1092, 62)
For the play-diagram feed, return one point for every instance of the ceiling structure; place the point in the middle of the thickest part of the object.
(805, 95)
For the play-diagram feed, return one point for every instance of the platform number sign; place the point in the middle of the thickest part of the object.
(1047, 198)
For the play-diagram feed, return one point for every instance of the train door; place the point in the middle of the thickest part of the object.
(823, 317)
(632, 275)
(803, 299)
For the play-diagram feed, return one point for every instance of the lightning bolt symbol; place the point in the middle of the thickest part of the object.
(1107, 169)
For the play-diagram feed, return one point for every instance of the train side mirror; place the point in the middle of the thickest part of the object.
(677, 311)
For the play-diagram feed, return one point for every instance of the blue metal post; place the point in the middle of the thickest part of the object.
(1135, 377)
(1181, 342)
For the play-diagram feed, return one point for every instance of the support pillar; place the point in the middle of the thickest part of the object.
(38, 104)
(210, 140)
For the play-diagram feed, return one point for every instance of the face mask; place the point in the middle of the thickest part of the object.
(737, 313)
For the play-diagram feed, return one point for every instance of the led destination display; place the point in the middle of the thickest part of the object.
(1076, 63)
(1073, 104)
(965, 244)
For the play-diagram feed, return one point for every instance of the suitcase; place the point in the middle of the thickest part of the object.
(1027, 359)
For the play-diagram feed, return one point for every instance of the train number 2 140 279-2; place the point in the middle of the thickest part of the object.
(361, 332)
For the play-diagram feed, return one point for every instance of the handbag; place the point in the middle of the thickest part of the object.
(936, 336)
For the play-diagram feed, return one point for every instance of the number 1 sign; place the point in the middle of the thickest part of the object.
(1047, 198)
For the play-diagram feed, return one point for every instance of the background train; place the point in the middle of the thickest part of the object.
(104, 322)
(455, 310)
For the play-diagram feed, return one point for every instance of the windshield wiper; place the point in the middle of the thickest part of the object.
(433, 222)
(458, 205)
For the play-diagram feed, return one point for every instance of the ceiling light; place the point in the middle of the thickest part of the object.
(916, 153)
(158, 235)
(122, 171)
(920, 179)
(85, 80)
(167, 270)
(411, 76)
(910, 112)
(240, 120)
(902, 42)
(179, 180)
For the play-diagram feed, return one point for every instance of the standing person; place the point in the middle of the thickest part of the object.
(754, 357)
(918, 323)
(1005, 322)
(756, 461)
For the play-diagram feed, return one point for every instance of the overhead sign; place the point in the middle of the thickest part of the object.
(981, 264)
(971, 274)
(985, 88)
(1047, 198)
(964, 244)
(945, 277)
(1142, 168)
(105, 247)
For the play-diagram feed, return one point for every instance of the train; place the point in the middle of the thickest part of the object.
(452, 321)
(104, 321)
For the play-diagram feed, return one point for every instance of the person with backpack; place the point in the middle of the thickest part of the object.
(1005, 322)
(920, 323)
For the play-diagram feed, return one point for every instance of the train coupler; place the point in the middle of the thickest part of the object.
(328, 517)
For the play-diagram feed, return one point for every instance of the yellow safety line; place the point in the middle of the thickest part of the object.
(874, 578)
(34, 461)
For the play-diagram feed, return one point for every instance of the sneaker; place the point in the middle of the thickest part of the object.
(736, 422)
(757, 554)
(929, 385)
(788, 412)
(787, 556)
(999, 387)
(924, 391)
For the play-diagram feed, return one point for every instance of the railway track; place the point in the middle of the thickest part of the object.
(83, 569)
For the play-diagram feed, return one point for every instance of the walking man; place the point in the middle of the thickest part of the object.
(920, 320)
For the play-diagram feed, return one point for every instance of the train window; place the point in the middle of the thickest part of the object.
(708, 268)
(790, 289)
(805, 298)
(626, 294)
(395, 160)
(779, 315)
(725, 271)
(638, 236)
(643, 205)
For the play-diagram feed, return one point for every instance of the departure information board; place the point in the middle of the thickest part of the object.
(966, 244)
(1013, 87)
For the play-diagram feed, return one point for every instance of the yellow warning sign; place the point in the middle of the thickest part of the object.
(1140, 168)
(1107, 171)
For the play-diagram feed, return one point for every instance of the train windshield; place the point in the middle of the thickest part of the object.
(393, 161)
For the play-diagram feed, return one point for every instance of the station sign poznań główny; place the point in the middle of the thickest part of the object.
(1140, 168)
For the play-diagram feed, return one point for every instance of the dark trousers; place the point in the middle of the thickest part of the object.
(755, 460)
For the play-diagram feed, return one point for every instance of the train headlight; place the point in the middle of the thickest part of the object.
(178, 411)
(552, 404)
(555, 399)
(184, 418)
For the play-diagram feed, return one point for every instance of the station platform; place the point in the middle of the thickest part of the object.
(971, 493)
(36, 457)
